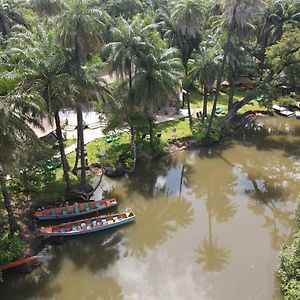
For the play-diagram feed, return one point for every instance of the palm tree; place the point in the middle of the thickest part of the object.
(10, 14)
(186, 18)
(128, 46)
(81, 28)
(48, 7)
(16, 111)
(44, 71)
(156, 80)
(237, 16)
(204, 67)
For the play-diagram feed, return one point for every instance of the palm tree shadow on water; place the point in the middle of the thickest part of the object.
(157, 221)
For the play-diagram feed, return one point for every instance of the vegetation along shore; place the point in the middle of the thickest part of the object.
(91, 89)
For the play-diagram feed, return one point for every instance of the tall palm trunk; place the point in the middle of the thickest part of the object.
(231, 90)
(81, 145)
(220, 75)
(133, 146)
(13, 226)
(151, 132)
(78, 71)
(132, 127)
(205, 98)
(62, 150)
(77, 150)
(80, 134)
(187, 98)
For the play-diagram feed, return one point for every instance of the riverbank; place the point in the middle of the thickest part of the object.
(191, 206)
(33, 243)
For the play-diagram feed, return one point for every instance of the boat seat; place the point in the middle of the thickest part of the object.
(104, 221)
(76, 210)
(64, 212)
(97, 204)
(87, 207)
(53, 212)
(94, 223)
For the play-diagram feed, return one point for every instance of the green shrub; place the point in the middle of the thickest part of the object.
(10, 248)
(288, 103)
(289, 269)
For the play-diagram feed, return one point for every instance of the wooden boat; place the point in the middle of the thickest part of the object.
(283, 111)
(88, 225)
(18, 263)
(75, 210)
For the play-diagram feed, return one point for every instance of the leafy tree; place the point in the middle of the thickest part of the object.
(270, 27)
(285, 56)
(10, 14)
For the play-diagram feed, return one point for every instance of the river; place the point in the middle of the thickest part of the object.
(210, 224)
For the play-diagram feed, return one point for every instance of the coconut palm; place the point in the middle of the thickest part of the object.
(186, 19)
(48, 7)
(45, 66)
(128, 46)
(237, 17)
(10, 14)
(81, 28)
(204, 67)
(17, 110)
(156, 80)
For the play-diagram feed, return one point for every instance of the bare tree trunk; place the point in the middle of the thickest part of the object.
(13, 226)
(62, 150)
(239, 104)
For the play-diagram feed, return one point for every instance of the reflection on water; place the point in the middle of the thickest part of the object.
(209, 225)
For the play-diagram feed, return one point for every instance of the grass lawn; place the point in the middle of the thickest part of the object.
(197, 101)
(112, 150)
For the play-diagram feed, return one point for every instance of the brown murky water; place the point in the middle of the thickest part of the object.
(209, 225)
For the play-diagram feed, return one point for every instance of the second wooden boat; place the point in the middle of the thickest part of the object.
(75, 210)
(88, 225)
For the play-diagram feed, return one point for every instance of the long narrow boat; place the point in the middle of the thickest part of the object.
(88, 225)
(75, 210)
(18, 263)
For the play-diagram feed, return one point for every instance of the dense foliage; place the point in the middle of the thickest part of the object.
(289, 269)
(54, 52)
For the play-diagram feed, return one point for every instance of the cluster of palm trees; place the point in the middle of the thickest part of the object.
(52, 53)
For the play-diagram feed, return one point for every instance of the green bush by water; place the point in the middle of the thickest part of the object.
(289, 269)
